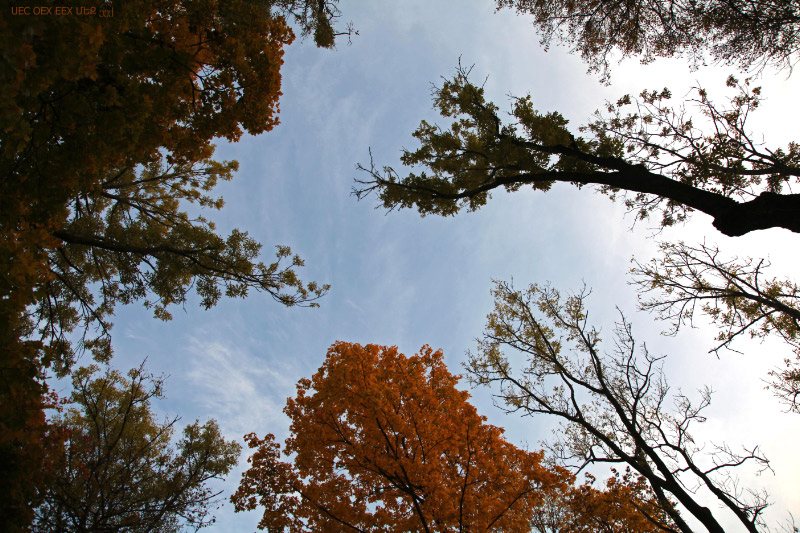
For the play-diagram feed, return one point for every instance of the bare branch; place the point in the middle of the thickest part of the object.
(614, 405)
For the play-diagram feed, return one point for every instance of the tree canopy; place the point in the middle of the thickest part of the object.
(99, 176)
(659, 157)
(384, 442)
(121, 471)
(656, 154)
(156, 78)
(742, 32)
(29, 446)
(105, 139)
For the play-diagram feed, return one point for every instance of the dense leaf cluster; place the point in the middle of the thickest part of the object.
(385, 442)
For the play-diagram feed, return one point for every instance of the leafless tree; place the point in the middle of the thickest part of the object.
(615, 405)
(734, 293)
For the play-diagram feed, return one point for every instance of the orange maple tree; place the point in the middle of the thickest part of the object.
(384, 442)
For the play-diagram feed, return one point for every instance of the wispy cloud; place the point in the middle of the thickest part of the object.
(227, 377)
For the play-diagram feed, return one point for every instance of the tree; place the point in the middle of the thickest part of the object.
(86, 99)
(387, 443)
(734, 293)
(657, 155)
(120, 471)
(105, 134)
(744, 32)
(384, 442)
(614, 405)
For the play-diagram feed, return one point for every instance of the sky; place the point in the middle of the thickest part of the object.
(399, 279)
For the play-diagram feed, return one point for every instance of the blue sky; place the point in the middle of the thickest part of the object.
(398, 279)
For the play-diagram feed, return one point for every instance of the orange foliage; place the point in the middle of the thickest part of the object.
(86, 97)
(385, 442)
(627, 504)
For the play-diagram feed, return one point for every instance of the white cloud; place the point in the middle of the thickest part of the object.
(242, 391)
